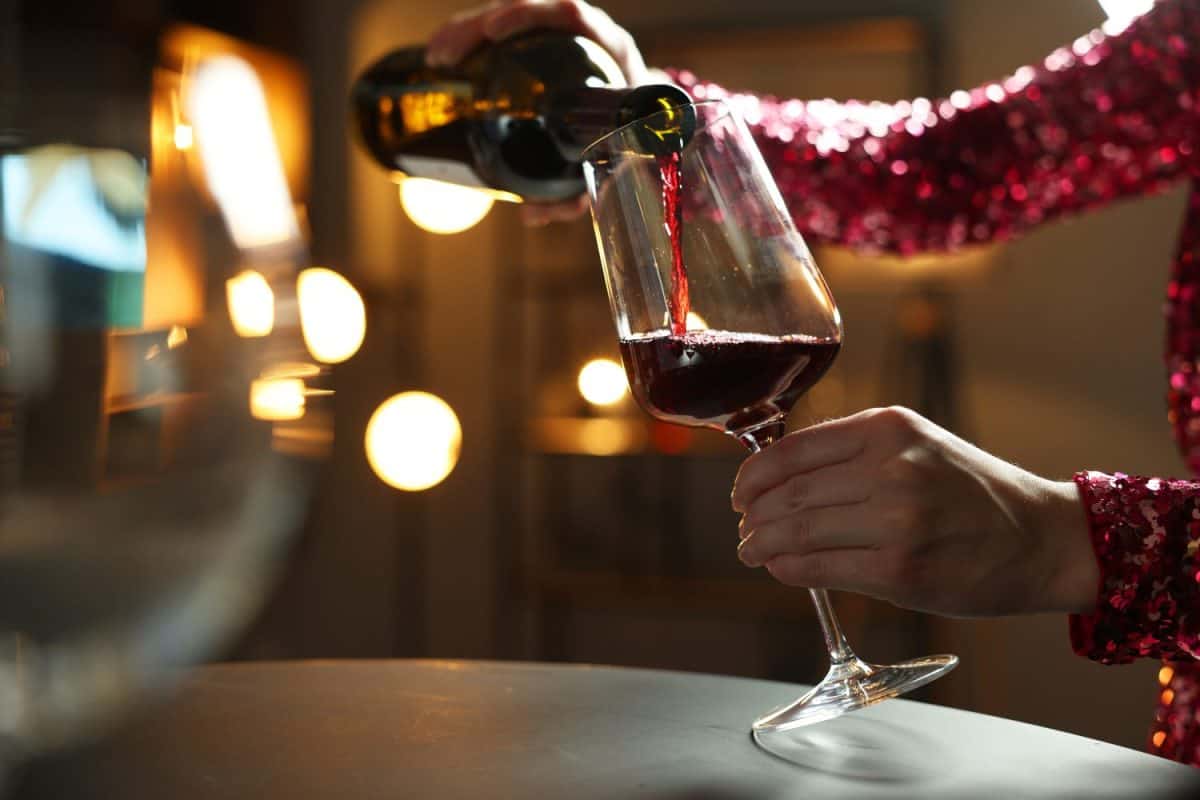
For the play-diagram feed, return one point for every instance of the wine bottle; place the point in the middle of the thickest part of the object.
(513, 118)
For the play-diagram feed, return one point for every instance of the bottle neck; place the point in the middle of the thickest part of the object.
(582, 115)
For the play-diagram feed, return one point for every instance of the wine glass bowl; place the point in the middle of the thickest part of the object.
(724, 321)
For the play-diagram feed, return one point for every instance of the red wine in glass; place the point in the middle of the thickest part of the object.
(672, 186)
(723, 380)
(716, 379)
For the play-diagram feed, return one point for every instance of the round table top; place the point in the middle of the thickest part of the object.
(464, 729)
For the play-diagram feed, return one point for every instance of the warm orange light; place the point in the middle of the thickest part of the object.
(1165, 674)
(1158, 738)
(602, 382)
(1167, 696)
(670, 439)
(607, 437)
(440, 207)
(176, 336)
(228, 109)
(413, 441)
(251, 304)
(332, 315)
(291, 369)
(277, 399)
(185, 47)
(695, 322)
(183, 137)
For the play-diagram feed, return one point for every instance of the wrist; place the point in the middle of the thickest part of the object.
(1074, 572)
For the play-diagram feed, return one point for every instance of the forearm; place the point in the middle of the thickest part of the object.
(1063, 530)
(1080, 131)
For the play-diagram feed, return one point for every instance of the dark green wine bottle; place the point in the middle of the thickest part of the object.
(513, 118)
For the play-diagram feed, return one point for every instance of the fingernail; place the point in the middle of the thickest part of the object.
(743, 556)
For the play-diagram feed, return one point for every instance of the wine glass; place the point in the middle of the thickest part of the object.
(724, 321)
(159, 429)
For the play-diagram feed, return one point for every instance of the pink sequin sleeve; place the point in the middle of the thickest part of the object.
(1103, 118)
(1146, 533)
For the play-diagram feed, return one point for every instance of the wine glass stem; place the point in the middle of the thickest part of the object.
(835, 640)
(755, 440)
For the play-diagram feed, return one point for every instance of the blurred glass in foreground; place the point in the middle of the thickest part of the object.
(146, 491)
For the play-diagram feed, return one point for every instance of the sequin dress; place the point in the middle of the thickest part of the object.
(1103, 118)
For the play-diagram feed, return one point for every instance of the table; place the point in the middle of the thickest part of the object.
(460, 729)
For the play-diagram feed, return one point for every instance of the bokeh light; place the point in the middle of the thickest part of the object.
(332, 315)
(1122, 12)
(228, 111)
(602, 382)
(251, 304)
(413, 441)
(277, 399)
(183, 137)
(440, 207)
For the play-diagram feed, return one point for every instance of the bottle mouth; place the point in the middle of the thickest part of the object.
(704, 114)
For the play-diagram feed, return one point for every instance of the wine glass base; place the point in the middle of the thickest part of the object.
(851, 685)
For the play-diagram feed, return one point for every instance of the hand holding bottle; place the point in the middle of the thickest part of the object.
(501, 20)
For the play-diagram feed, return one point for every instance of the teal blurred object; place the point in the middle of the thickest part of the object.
(79, 214)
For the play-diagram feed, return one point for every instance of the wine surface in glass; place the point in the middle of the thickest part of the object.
(720, 379)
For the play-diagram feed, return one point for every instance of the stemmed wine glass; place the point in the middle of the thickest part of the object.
(724, 321)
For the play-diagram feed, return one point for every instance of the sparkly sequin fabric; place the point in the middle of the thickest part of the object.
(1146, 534)
(1103, 118)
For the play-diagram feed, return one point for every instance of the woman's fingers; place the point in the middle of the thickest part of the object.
(462, 34)
(501, 20)
(514, 18)
(841, 484)
(810, 531)
(849, 570)
(573, 16)
(820, 446)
